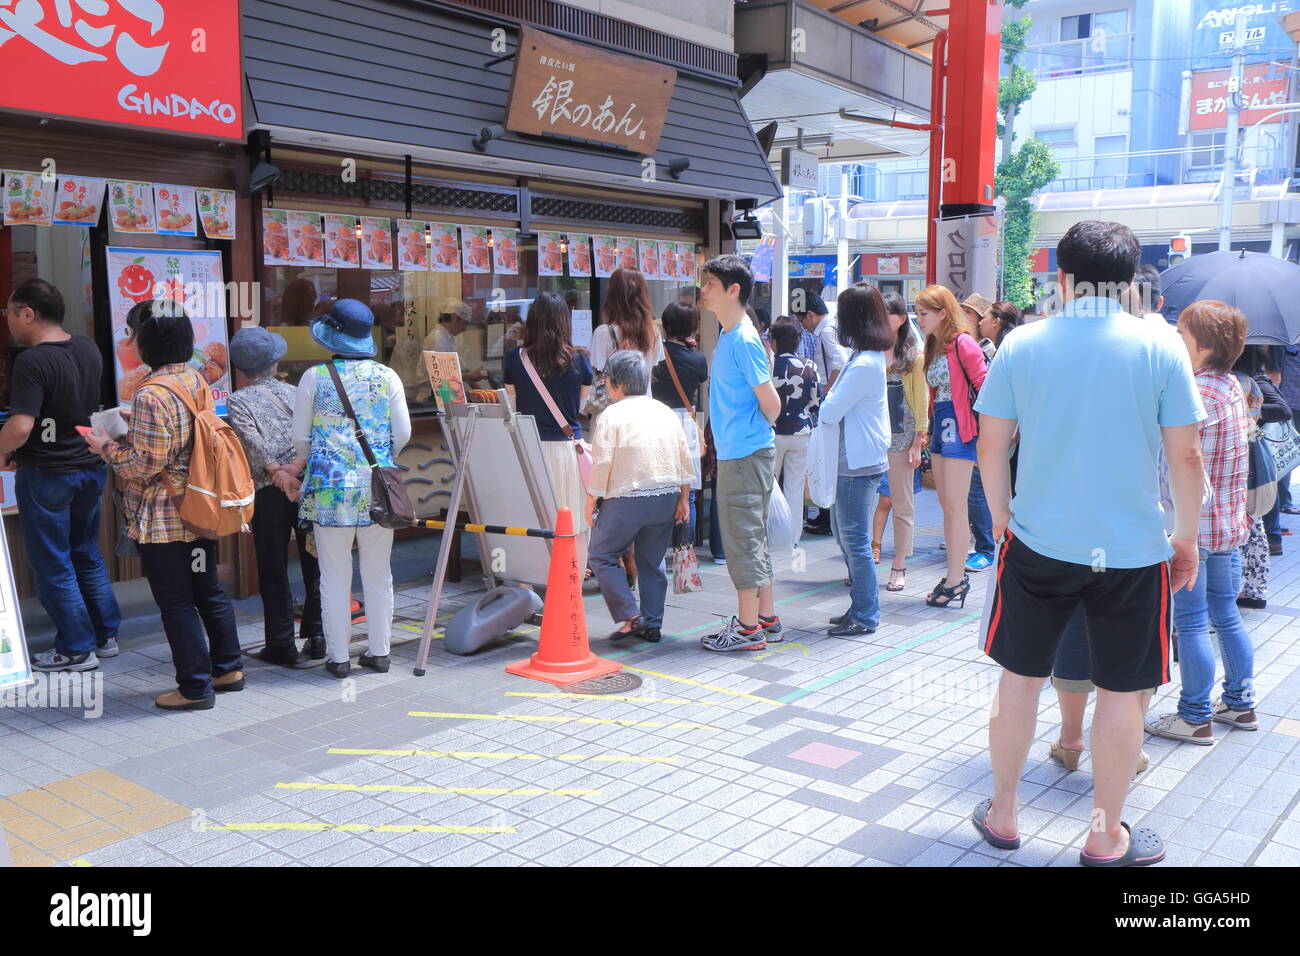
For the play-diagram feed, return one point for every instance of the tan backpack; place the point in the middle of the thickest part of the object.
(218, 496)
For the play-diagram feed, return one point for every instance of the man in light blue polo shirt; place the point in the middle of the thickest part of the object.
(743, 404)
(1094, 395)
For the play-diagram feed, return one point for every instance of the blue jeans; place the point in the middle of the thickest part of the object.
(981, 519)
(60, 512)
(855, 504)
(1213, 601)
(648, 524)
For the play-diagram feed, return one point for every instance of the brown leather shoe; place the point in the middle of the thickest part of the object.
(228, 682)
(175, 700)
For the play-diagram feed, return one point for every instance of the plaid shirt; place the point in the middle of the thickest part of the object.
(156, 454)
(1225, 524)
(807, 346)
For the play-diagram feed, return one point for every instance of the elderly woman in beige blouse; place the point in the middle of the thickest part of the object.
(642, 469)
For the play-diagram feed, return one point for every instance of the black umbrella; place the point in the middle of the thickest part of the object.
(1264, 287)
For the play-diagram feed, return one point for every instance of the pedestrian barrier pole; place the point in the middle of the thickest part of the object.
(486, 528)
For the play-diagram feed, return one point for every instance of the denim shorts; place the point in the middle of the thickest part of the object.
(945, 435)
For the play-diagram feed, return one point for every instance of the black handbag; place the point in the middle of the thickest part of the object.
(390, 504)
(897, 399)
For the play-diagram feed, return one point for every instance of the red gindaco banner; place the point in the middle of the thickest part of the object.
(164, 64)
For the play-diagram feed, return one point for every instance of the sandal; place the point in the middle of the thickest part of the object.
(875, 551)
(1144, 849)
(897, 579)
(943, 596)
(1068, 757)
(980, 818)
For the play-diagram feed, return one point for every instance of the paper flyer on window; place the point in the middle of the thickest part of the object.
(130, 206)
(550, 261)
(505, 252)
(444, 248)
(175, 207)
(648, 258)
(627, 258)
(305, 245)
(28, 199)
(376, 243)
(579, 256)
(686, 261)
(341, 244)
(474, 249)
(217, 212)
(275, 238)
(78, 200)
(606, 255)
(412, 247)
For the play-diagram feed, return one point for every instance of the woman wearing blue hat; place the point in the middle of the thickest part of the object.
(335, 494)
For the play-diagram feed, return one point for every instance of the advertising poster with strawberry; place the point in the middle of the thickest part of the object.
(444, 250)
(686, 261)
(217, 213)
(376, 243)
(78, 200)
(627, 257)
(506, 258)
(191, 277)
(342, 247)
(412, 251)
(579, 256)
(305, 245)
(175, 208)
(28, 199)
(606, 255)
(130, 206)
(275, 238)
(474, 249)
(550, 261)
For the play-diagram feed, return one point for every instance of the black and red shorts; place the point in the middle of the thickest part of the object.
(1128, 613)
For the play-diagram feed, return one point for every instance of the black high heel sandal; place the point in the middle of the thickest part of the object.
(950, 595)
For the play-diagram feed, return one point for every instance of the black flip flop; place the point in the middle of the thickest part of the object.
(980, 819)
(1145, 848)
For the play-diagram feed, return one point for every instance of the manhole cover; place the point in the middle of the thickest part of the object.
(619, 683)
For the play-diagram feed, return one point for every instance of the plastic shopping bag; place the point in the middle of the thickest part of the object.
(823, 463)
(686, 569)
(780, 529)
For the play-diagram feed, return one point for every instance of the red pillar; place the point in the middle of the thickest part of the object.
(970, 106)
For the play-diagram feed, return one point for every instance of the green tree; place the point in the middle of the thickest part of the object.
(1021, 172)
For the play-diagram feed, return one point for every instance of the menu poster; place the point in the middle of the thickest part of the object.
(444, 249)
(305, 244)
(606, 255)
(412, 251)
(550, 260)
(376, 243)
(648, 258)
(217, 213)
(667, 261)
(445, 379)
(28, 199)
(175, 205)
(686, 261)
(506, 256)
(341, 242)
(275, 238)
(627, 258)
(579, 256)
(474, 249)
(192, 277)
(130, 206)
(78, 200)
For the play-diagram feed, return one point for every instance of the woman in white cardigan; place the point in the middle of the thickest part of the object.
(642, 469)
(857, 403)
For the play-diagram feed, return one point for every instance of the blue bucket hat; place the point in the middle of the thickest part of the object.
(255, 348)
(346, 329)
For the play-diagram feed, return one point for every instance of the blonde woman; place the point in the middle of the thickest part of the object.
(954, 370)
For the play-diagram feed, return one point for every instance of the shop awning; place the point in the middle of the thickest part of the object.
(386, 77)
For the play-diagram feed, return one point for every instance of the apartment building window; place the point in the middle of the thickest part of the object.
(1108, 33)
(1207, 149)
(1056, 137)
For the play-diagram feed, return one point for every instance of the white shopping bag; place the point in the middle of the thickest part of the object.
(823, 463)
(780, 525)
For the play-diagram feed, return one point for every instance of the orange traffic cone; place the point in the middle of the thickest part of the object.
(563, 656)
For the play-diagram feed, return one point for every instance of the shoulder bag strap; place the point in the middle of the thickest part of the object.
(546, 395)
(347, 409)
(277, 399)
(677, 383)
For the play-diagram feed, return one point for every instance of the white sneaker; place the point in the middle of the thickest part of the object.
(1173, 727)
(108, 649)
(1241, 719)
(54, 660)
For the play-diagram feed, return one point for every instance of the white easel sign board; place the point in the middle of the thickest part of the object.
(15, 668)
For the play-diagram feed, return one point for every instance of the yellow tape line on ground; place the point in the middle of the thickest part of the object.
(359, 827)
(563, 720)
(475, 755)
(695, 683)
(632, 700)
(473, 791)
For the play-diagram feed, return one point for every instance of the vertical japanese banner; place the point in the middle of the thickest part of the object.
(376, 243)
(579, 256)
(444, 249)
(175, 206)
(217, 212)
(606, 255)
(306, 247)
(686, 261)
(474, 249)
(505, 251)
(130, 206)
(550, 261)
(627, 258)
(78, 200)
(28, 199)
(275, 237)
(412, 250)
(968, 255)
(648, 258)
(341, 243)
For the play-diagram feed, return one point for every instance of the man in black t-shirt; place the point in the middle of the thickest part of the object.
(60, 481)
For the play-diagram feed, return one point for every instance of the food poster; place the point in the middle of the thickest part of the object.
(668, 260)
(627, 254)
(306, 245)
(78, 200)
(474, 250)
(376, 243)
(175, 206)
(192, 277)
(506, 251)
(217, 213)
(648, 258)
(130, 206)
(550, 260)
(686, 261)
(412, 246)
(275, 238)
(606, 255)
(579, 256)
(445, 378)
(444, 247)
(28, 199)
(342, 247)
